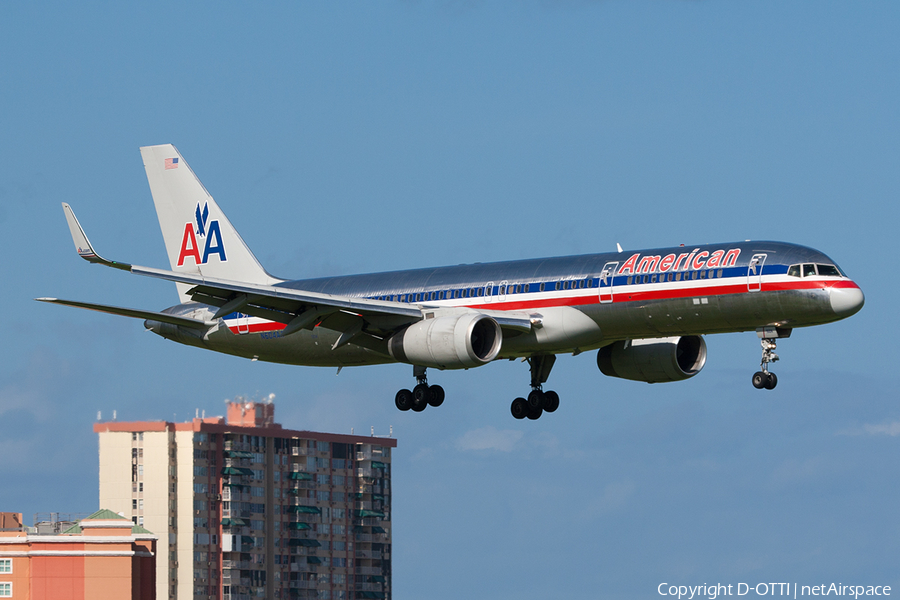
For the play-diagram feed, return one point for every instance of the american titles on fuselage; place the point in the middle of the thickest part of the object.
(696, 260)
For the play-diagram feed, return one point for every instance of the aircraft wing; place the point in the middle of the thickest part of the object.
(134, 313)
(297, 309)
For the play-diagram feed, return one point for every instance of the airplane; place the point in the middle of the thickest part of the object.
(645, 312)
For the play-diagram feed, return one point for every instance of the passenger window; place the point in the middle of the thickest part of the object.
(828, 270)
(558, 285)
(809, 270)
(794, 271)
(653, 278)
(542, 287)
(677, 276)
(721, 271)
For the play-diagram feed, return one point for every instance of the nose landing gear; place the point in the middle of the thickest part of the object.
(538, 401)
(763, 378)
(421, 396)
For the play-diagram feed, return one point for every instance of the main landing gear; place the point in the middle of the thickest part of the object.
(421, 396)
(538, 401)
(763, 378)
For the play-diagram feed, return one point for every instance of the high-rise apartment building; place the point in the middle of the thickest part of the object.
(246, 509)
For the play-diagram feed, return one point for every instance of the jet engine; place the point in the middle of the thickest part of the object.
(654, 360)
(449, 342)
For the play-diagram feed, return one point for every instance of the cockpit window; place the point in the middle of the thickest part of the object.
(794, 271)
(829, 271)
(809, 270)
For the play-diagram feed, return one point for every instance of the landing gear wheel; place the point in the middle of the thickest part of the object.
(420, 397)
(536, 400)
(759, 380)
(519, 408)
(771, 381)
(535, 413)
(420, 393)
(551, 401)
(435, 395)
(404, 400)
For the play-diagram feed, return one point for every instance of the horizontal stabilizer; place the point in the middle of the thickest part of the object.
(133, 312)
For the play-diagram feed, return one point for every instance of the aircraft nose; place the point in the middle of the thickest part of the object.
(846, 301)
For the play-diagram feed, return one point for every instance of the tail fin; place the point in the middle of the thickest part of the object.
(199, 237)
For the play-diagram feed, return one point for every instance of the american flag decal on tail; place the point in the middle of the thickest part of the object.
(171, 163)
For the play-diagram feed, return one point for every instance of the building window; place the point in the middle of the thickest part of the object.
(5, 590)
(5, 565)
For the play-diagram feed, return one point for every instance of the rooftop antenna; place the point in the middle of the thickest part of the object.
(373, 431)
(114, 415)
(351, 431)
(98, 415)
(196, 413)
(392, 431)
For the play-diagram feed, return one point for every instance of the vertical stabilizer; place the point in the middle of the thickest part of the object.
(199, 237)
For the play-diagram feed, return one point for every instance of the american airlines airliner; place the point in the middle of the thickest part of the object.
(645, 312)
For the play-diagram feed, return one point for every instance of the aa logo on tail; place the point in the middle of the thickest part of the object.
(209, 230)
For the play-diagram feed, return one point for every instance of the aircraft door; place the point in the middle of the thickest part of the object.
(606, 282)
(754, 272)
(243, 323)
(501, 291)
(488, 291)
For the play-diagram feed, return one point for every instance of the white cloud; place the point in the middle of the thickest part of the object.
(615, 496)
(883, 428)
(891, 429)
(489, 438)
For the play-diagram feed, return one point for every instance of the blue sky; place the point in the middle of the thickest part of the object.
(376, 136)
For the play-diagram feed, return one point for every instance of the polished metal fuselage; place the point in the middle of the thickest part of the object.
(579, 302)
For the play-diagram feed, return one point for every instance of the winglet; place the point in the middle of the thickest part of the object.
(83, 245)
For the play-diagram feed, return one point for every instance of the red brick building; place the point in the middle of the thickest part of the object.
(105, 557)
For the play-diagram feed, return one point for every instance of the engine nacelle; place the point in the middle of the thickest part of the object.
(654, 360)
(450, 342)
